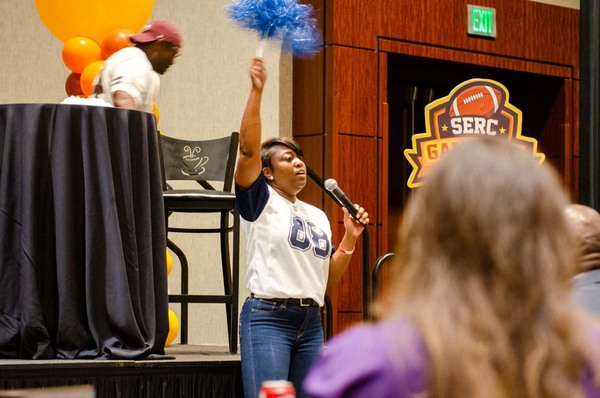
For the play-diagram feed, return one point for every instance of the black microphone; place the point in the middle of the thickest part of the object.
(332, 186)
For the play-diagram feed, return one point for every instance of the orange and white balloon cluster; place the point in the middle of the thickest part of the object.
(84, 57)
(91, 31)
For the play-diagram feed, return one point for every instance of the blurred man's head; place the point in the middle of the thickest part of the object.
(585, 223)
(161, 42)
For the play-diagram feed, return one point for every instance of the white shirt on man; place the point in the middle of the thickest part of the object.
(130, 71)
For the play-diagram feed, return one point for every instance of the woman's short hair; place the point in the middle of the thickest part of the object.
(267, 149)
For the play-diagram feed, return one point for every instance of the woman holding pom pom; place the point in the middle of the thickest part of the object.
(291, 259)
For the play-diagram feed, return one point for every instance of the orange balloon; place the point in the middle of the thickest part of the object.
(173, 327)
(73, 84)
(79, 51)
(115, 40)
(88, 75)
(156, 111)
(92, 18)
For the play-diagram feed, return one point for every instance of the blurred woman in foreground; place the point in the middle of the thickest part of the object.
(481, 304)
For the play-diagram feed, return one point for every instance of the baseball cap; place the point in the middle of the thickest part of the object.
(158, 30)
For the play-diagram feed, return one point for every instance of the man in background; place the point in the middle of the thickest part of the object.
(129, 78)
(585, 222)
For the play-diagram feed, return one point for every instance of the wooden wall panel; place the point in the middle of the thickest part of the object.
(357, 172)
(423, 21)
(354, 91)
(348, 293)
(382, 189)
(553, 34)
(526, 30)
(353, 23)
(467, 57)
(346, 320)
(382, 153)
(308, 97)
(349, 289)
(386, 274)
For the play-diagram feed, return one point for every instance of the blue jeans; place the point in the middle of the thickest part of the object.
(278, 342)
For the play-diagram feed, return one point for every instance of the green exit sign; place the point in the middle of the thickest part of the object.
(481, 21)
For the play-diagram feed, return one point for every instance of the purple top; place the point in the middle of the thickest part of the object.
(361, 363)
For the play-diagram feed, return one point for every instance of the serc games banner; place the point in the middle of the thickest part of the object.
(473, 108)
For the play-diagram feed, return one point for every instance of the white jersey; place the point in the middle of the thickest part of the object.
(130, 71)
(288, 244)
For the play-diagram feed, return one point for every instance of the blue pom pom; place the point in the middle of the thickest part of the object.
(286, 20)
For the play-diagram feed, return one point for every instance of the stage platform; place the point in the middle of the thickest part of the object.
(193, 372)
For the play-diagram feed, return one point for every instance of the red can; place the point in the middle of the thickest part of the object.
(277, 389)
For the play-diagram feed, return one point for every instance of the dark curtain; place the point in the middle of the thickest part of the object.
(589, 107)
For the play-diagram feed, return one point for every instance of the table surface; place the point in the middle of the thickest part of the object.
(82, 232)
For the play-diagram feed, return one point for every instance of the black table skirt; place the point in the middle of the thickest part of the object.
(82, 233)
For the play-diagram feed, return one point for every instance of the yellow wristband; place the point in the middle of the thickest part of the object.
(346, 252)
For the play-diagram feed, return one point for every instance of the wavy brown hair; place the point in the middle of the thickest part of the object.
(483, 268)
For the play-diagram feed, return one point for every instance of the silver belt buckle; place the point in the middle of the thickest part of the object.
(304, 305)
